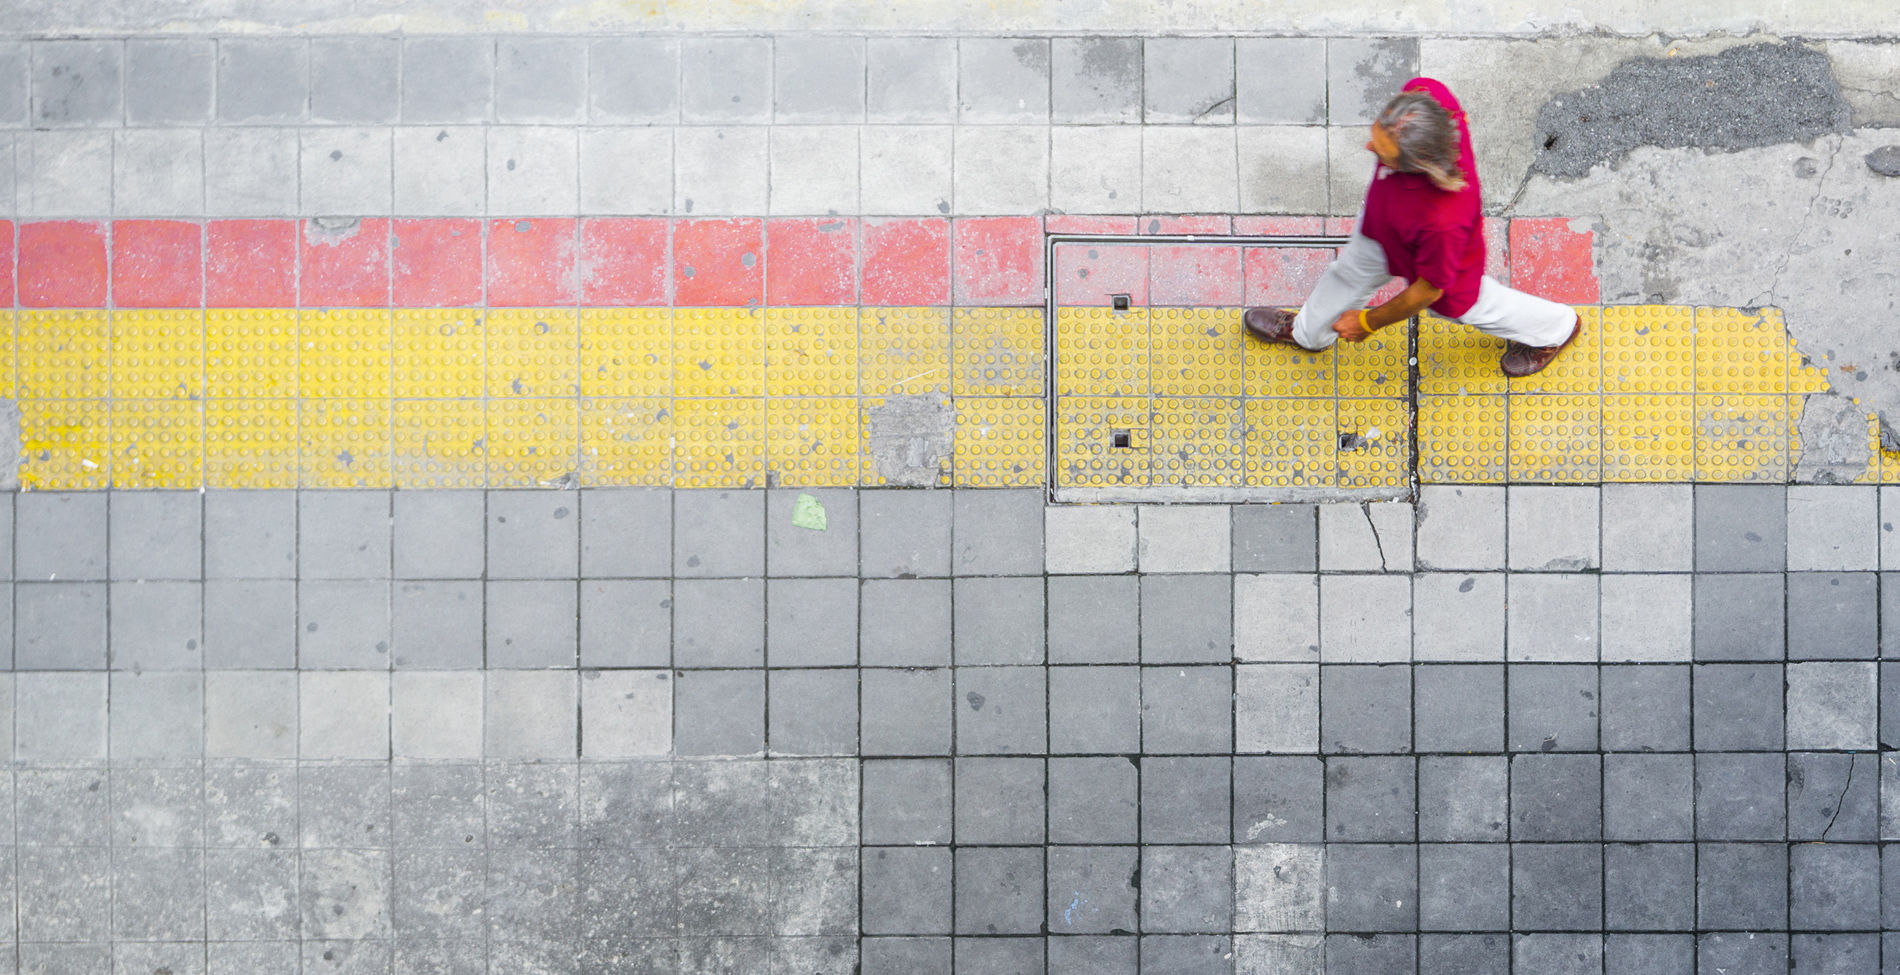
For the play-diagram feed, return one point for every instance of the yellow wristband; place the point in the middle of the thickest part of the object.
(1365, 324)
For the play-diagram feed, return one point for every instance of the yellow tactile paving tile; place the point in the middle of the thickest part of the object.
(1275, 370)
(158, 443)
(1804, 375)
(1197, 441)
(158, 354)
(1649, 437)
(250, 353)
(437, 353)
(814, 441)
(9, 360)
(1456, 359)
(718, 352)
(626, 352)
(1103, 352)
(998, 351)
(1649, 349)
(250, 443)
(1462, 439)
(904, 351)
(439, 443)
(65, 354)
(1000, 441)
(1102, 441)
(1738, 350)
(811, 352)
(1196, 351)
(1556, 438)
(65, 444)
(532, 442)
(344, 354)
(1578, 370)
(343, 443)
(533, 352)
(1377, 367)
(1375, 443)
(1290, 442)
(1742, 437)
(626, 442)
(719, 442)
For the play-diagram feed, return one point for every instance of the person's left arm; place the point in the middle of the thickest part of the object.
(1416, 297)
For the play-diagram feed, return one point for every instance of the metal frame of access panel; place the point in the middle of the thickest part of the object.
(1206, 495)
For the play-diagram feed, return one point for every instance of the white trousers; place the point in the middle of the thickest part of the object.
(1360, 270)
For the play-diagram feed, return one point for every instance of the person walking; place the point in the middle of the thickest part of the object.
(1423, 222)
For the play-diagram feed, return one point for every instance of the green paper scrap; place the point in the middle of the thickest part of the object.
(808, 513)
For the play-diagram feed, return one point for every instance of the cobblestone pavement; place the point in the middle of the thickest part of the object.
(606, 731)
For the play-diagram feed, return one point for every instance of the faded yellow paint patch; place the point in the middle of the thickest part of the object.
(65, 444)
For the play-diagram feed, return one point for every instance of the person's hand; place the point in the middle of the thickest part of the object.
(1349, 328)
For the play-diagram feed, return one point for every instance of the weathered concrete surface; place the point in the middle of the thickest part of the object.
(1692, 18)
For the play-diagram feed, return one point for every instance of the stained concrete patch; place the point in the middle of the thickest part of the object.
(1745, 97)
(1834, 447)
(1884, 161)
(910, 438)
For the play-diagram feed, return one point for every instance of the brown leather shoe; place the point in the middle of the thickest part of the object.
(1522, 360)
(1272, 325)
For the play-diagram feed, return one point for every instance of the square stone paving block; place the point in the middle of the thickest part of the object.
(998, 620)
(1365, 709)
(1188, 79)
(1372, 887)
(1649, 886)
(1187, 888)
(1645, 708)
(1092, 889)
(719, 622)
(1552, 617)
(811, 622)
(1362, 73)
(904, 533)
(76, 82)
(249, 534)
(250, 714)
(1738, 707)
(343, 806)
(1833, 616)
(1460, 708)
(1649, 797)
(726, 79)
(438, 534)
(158, 807)
(1464, 887)
(626, 532)
(156, 535)
(818, 79)
(439, 170)
(1366, 537)
(633, 79)
(1092, 539)
(1280, 80)
(1000, 800)
(66, 893)
(1275, 538)
(1554, 529)
(1834, 886)
(1556, 798)
(1093, 619)
(436, 714)
(343, 624)
(1189, 169)
(1553, 707)
(1094, 800)
(1832, 527)
(447, 79)
(911, 79)
(1283, 168)
(1741, 527)
(59, 625)
(907, 801)
(60, 535)
(1832, 705)
(1094, 710)
(1365, 619)
(262, 80)
(1001, 710)
(1371, 953)
(719, 712)
(904, 622)
(996, 532)
(168, 80)
(1278, 799)
(1181, 708)
(1371, 799)
(1647, 617)
(1833, 797)
(905, 712)
(1186, 799)
(794, 550)
(1477, 954)
(530, 715)
(1461, 527)
(629, 713)
(1003, 79)
(345, 171)
(354, 80)
(1557, 886)
(1648, 527)
(1835, 952)
(1742, 885)
(1184, 538)
(999, 890)
(1186, 619)
(1739, 616)
(1276, 708)
(156, 625)
(436, 625)
(532, 535)
(1276, 618)
(1558, 954)
(812, 712)
(1740, 796)
(1280, 887)
(540, 79)
(718, 533)
(1000, 169)
(1095, 79)
(1458, 616)
(157, 716)
(907, 890)
(343, 714)
(343, 534)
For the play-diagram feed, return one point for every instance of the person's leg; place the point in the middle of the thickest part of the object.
(1349, 281)
(1518, 317)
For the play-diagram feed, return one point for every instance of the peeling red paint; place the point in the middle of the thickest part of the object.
(532, 262)
(906, 262)
(719, 262)
(623, 262)
(344, 267)
(1550, 260)
(997, 260)
(250, 264)
(811, 261)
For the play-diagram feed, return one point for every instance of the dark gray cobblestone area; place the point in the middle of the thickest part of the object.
(1605, 730)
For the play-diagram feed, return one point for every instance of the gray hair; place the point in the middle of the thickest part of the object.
(1426, 136)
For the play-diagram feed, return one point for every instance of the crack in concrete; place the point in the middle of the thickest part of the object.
(1772, 296)
(1365, 508)
(1841, 799)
